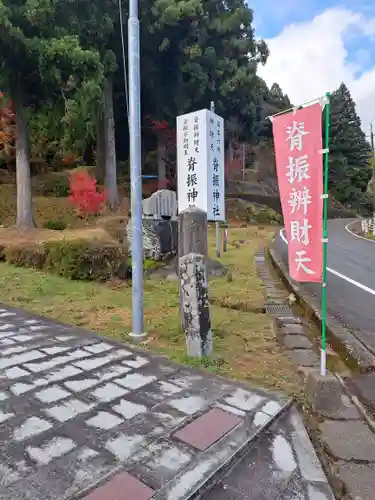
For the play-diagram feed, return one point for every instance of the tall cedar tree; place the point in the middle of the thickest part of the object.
(198, 51)
(349, 170)
(41, 61)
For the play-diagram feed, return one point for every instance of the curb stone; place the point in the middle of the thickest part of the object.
(345, 432)
(342, 339)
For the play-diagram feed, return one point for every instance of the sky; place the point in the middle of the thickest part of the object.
(316, 44)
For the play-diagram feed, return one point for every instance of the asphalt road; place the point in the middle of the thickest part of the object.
(350, 279)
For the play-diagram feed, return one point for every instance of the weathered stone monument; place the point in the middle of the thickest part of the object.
(192, 232)
(201, 197)
(195, 310)
(194, 307)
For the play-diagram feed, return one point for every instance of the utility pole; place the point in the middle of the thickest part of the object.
(135, 171)
(373, 174)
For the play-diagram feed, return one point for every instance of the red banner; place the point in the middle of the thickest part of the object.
(299, 163)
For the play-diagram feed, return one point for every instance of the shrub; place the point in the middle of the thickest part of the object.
(84, 194)
(30, 256)
(267, 216)
(55, 225)
(115, 226)
(56, 186)
(85, 260)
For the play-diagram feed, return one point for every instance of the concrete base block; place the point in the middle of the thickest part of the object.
(324, 393)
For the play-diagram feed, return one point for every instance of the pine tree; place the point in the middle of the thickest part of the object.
(349, 171)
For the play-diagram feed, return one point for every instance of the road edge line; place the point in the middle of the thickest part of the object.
(357, 235)
(345, 342)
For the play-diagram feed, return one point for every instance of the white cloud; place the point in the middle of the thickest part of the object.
(309, 59)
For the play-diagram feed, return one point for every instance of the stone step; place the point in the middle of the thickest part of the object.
(217, 457)
(281, 464)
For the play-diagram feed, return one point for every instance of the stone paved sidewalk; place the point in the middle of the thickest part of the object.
(86, 417)
(281, 466)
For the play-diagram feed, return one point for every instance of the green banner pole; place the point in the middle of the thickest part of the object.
(323, 359)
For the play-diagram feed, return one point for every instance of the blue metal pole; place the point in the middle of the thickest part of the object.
(135, 171)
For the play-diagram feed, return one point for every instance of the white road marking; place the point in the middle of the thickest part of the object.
(336, 273)
(356, 235)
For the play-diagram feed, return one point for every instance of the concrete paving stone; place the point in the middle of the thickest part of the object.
(205, 430)
(121, 487)
(245, 400)
(303, 357)
(288, 320)
(104, 420)
(346, 411)
(318, 491)
(307, 460)
(188, 378)
(349, 440)
(224, 492)
(68, 410)
(295, 490)
(109, 392)
(297, 342)
(190, 404)
(123, 446)
(52, 394)
(323, 392)
(31, 427)
(136, 361)
(359, 479)
(364, 385)
(128, 410)
(292, 329)
(134, 381)
(55, 448)
(158, 463)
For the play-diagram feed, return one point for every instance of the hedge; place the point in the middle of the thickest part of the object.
(74, 259)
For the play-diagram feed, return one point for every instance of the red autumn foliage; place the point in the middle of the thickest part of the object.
(84, 194)
(68, 159)
(162, 127)
(158, 125)
(7, 124)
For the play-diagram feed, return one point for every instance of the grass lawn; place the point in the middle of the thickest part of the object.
(244, 343)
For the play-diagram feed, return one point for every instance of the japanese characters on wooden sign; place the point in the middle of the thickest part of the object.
(298, 150)
(200, 163)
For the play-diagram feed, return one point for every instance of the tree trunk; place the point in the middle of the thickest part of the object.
(161, 154)
(110, 146)
(88, 154)
(100, 147)
(25, 218)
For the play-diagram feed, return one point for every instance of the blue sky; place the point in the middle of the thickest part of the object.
(271, 16)
(316, 44)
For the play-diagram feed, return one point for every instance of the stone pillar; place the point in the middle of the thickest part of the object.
(195, 311)
(192, 232)
(225, 240)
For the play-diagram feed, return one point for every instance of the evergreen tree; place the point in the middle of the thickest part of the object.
(41, 62)
(197, 51)
(349, 170)
(277, 100)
